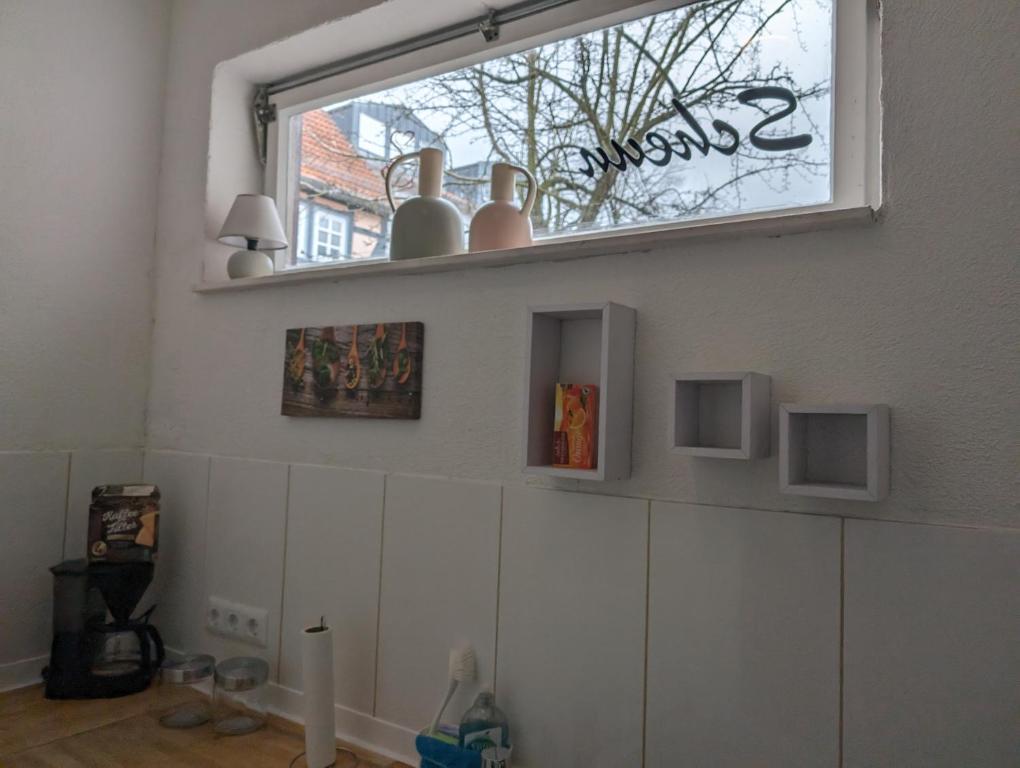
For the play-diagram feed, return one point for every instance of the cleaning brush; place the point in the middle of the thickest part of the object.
(462, 670)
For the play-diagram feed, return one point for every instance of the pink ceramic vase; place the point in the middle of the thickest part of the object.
(500, 223)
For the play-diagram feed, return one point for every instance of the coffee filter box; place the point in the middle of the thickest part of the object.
(124, 524)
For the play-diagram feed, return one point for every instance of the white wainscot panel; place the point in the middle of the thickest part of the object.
(572, 627)
(89, 469)
(244, 548)
(743, 648)
(179, 584)
(33, 488)
(439, 591)
(932, 654)
(334, 535)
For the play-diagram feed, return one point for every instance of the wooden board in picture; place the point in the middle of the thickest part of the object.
(371, 371)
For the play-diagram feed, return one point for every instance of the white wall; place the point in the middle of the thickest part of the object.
(914, 311)
(82, 89)
(617, 632)
(738, 657)
(685, 611)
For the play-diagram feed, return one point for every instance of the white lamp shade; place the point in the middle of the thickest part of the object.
(253, 217)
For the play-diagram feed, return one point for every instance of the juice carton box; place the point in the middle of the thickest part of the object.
(576, 430)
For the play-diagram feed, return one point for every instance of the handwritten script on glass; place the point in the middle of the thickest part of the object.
(660, 149)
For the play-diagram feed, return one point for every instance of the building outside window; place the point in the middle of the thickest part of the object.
(712, 109)
(342, 152)
(331, 236)
(324, 234)
(371, 135)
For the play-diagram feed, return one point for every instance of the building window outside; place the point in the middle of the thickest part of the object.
(371, 135)
(324, 235)
(331, 233)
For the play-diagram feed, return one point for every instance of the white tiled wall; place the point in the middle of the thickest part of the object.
(554, 590)
(334, 540)
(33, 487)
(932, 655)
(245, 545)
(570, 669)
(743, 643)
(179, 583)
(439, 574)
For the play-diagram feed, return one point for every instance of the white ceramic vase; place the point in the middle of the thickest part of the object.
(429, 224)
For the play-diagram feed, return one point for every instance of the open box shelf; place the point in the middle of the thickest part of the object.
(580, 344)
(720, 415)
(834, 451)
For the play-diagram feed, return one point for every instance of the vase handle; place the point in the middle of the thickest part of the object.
(389, 171)
(529, 201)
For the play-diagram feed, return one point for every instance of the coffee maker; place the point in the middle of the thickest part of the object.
(92, 658)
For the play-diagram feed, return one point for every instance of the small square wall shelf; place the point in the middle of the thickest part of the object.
(580, 344)
(720, 415)
(834, 451)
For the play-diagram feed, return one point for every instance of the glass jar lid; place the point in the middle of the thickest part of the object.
(242, 673)
(192, 668)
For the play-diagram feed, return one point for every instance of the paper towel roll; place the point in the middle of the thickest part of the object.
(320, 719)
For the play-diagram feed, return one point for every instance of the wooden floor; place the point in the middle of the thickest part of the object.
(36, 733)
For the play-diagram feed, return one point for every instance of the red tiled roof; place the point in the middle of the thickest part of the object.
(329, 158)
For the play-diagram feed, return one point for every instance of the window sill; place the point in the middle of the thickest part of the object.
(564, 248)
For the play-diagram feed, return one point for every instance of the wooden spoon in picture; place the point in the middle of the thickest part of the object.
(402, 362)
(353, 363)
(377, 358)
(326, 363)
(296, 362)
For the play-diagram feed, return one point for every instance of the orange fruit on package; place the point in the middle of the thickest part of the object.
(576, 426)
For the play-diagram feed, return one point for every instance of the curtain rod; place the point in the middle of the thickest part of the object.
(488, 25)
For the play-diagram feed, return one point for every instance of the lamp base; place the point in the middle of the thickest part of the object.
(249, 264)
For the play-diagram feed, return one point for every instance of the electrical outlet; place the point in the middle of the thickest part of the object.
(240, 622)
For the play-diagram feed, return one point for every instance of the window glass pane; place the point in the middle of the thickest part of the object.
(328, 231)
(371, 134)
(402, 142)
(717, 108)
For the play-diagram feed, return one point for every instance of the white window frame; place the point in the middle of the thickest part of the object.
(856, 119)
(313, 215)
(320, 215)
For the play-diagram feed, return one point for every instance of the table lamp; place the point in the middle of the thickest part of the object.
(253, 224)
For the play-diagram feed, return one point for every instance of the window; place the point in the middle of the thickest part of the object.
(371, 135)
(330, 236)
(324, 235)
(713, 109)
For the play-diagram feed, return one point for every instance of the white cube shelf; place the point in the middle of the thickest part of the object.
(580, 344)
(720, 415)
(834, 451)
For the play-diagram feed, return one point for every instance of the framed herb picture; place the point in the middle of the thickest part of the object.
(371, 371)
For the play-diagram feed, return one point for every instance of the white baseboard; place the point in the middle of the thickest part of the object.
(20, 674)
(356, 728)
